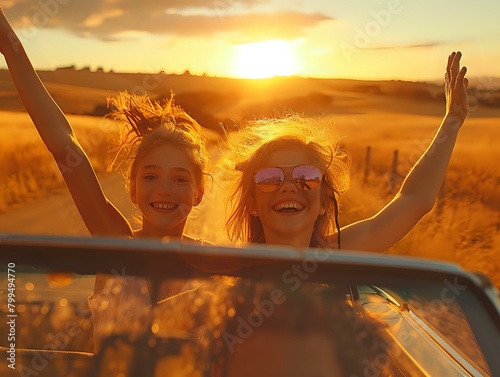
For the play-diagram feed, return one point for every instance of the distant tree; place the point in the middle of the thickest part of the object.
(68, 68)
(99, 110)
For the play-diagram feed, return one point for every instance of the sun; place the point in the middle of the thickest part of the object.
(265, 59)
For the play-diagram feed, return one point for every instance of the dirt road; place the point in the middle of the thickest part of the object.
(57, 215)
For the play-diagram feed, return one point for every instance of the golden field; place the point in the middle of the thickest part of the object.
(386, 116)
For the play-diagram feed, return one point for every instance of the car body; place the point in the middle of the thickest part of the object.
(436, 318)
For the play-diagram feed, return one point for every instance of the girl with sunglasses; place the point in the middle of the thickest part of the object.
(289, 174)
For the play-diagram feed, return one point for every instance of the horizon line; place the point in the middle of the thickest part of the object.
(187, 73)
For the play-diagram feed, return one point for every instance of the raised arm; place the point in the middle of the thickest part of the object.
(421, 186)
(99, 215)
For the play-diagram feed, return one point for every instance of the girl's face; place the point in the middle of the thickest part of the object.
(288, 214)
(165, 190)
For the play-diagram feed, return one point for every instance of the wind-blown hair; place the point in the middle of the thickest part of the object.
(357, 339)
(250, 147)
(149, 124)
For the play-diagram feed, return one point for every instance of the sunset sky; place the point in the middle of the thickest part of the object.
(363, 39)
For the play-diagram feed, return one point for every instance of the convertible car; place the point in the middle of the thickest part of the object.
(109, 307)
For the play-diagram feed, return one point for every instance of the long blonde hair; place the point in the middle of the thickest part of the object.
(251, 146)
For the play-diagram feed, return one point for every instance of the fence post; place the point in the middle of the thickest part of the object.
(367, 164)
(394, 178)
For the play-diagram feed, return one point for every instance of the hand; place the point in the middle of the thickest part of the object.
(455, 87)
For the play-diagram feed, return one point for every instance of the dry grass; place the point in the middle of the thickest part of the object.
(459, 230)
(463, 228)
(27, 169)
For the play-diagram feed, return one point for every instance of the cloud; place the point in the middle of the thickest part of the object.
(248, 27)
(112, 19)
(400, 47)
(26, 7)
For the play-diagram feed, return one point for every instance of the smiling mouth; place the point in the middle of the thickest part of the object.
(288, 207)
(167, 206)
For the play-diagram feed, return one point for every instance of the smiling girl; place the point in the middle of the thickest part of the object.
(164, 145)
(168, 163)
(289, 174)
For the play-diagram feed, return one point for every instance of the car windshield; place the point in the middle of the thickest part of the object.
(193, 321)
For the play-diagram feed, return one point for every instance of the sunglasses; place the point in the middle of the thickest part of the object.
(305, 177)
